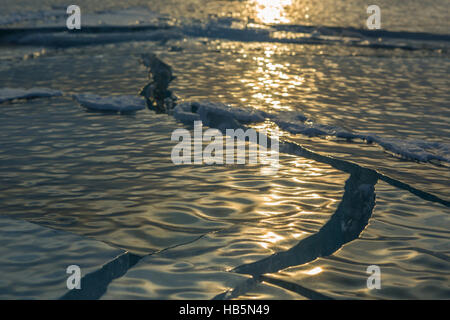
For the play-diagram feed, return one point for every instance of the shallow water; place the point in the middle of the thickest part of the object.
(110, 177)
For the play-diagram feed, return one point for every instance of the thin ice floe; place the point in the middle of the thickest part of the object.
(217, 115)
(122, 104)
(223, 116)
(8, 94)
(417, 150)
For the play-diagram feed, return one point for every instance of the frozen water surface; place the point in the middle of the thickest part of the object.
(364, 151)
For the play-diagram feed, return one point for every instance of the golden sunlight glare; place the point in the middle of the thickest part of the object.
(271, 11)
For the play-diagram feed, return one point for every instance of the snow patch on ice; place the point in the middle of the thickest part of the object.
(8, 94)
(297, 123)
(221, 116)
(122, 104)
(417, 150)
(216, 115)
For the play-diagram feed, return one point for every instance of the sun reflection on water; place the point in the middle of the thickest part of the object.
(314, 271)
(271, 11)
(270, 81)
(270, 238)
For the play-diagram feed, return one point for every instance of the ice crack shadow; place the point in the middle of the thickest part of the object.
(348, 221)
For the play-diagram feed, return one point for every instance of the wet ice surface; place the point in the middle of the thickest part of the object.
(34, 260)
(122, 104)
(401, 241)
(8, 94)
(73, 174)
(110, 178)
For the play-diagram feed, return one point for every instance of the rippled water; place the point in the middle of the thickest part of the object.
(201, 230)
